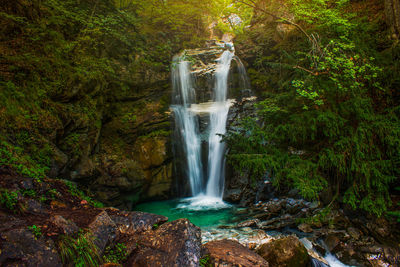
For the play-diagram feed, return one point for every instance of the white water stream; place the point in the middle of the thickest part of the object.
(206, 184)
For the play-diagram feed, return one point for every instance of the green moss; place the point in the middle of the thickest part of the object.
(15, 157)
(37, 232)
(74, 191)
(72, 144)
(115, 254)
(205, 261)
(28, 192)
(8, 199)
(158, 133)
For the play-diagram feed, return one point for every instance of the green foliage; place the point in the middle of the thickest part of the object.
(116, 254)
(14, 156)
(320, 218)
(36, 231)
(129, 118)
(8, 199)
(160, 132)
(205, 261)
(43, 199)
(79, 250)
(74, 58)
(72, 144)
(28, 192)
(52, 193)
(330, 119)
(74, 191)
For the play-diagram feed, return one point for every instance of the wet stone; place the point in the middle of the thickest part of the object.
(67, 227)
(232, 253)
(21, 248)
(249, 223)
(135, 222)
(176, 243)
(104, 230)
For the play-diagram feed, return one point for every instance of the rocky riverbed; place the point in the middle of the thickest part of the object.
(280, 232)
(356, 241)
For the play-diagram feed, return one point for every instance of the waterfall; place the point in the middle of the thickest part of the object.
(208, 182)
(186, 123)
(218, 119)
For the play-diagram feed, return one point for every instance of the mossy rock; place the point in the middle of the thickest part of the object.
(285, 252)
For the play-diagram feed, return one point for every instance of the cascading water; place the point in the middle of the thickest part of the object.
(206, 183)
(185, 122)
(218, 119)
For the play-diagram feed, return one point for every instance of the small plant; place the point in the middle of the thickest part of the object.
(155, 226)
(28, 192)
(52, 193)
(205, 261)
(322, 217)
(129, 118)
(74, 191)
(42, 199)
(37, 232)
(116, 254)
(79, 250)
(8, 199)
(13, 156)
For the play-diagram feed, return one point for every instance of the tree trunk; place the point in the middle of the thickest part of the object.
(392, 12)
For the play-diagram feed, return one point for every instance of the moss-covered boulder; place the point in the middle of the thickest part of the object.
(285, 252)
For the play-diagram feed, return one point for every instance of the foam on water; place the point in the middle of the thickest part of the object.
(203, 203)
(333, 261)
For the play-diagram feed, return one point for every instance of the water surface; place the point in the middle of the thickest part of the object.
(201, 211)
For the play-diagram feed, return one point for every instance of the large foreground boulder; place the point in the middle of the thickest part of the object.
(231, 253)
(104, 230)
(135, 222)
(285, 252)
(21, 248)
(176, 243)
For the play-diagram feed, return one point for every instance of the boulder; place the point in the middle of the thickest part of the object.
(34, 207)
(285, 252)
(249, 223)
(332, 241)
(176, 243)
(354, 233)
(9, 222)
(231, 253)
(103, 229)
(67, 227)
(136, 222)
(20, 248)
(304, 227)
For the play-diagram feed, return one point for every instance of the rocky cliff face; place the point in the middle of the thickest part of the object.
(128, 157)
(92, 100)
